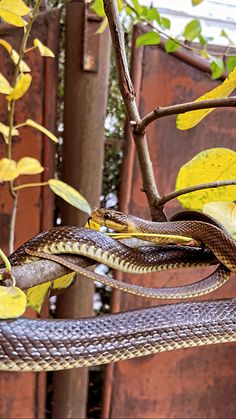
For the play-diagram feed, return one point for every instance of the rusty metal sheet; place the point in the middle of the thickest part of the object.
(23, 395)
(192, 383)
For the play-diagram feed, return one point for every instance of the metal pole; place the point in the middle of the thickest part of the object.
(86, 81)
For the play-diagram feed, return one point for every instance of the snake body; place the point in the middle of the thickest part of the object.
(50, 345)
(83, 241)
(36, 345)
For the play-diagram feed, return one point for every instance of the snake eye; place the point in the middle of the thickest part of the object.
(107, 216)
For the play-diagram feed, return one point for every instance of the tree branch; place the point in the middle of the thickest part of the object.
(41, 271)
(159, 112)
(166, 198)
(128, 94)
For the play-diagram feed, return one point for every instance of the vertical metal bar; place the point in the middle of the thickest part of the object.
(85, 103)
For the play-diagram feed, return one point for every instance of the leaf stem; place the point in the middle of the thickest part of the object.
(29, 185)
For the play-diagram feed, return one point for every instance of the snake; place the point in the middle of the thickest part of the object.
(41, 345)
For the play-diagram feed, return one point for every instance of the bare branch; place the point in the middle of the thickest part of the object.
(166, 198)
(159, 112)
(128, 94)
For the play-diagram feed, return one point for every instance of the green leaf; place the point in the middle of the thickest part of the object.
(98, 8)
(69, 195)
(226, 36)
(165, 23)
(202, 40)
(231, 63)
(192, 30)
(137, 6)
(210, 165)
(171, 45)
(150, 38)
(217, 67)
(153, 14)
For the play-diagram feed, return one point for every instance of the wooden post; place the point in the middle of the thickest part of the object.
(86, 80)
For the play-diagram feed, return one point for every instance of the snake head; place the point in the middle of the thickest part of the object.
(112, 219)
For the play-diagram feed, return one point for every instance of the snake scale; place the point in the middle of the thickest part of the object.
(27, 345)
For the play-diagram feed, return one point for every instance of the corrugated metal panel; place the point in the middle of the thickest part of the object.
(193, 383)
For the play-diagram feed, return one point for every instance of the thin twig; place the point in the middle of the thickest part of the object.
(160, 112)
(12, 224)
(29, 185)
(128, 94)
(166, 198)
(15, 78)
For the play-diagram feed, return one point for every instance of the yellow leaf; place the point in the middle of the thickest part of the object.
(24, 68)
(103, 25)
(6, 45)
(64, 281)
(21, 87)
(4, 129)
(69, 194)
(44, 130)
(18, 6)
(8, 170)
(93, 225)
(5, 86)
(208, 166)
(29, 166)
(12, 302)
(12, 18)
(224, 212)
(36, 295)
(190, 119)
(44, 51)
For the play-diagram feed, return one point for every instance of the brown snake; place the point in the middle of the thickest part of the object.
(48, 344)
